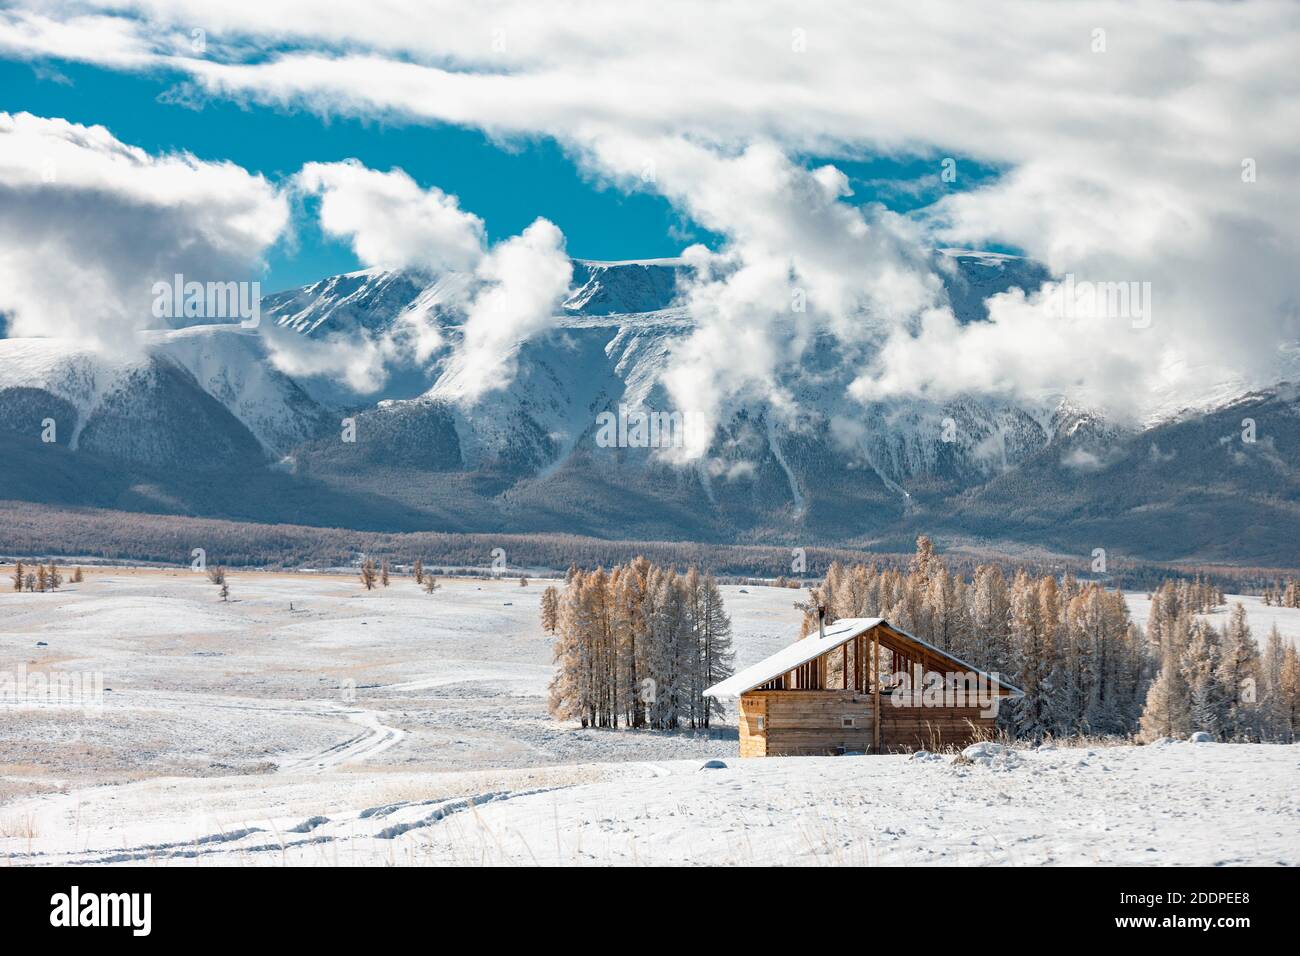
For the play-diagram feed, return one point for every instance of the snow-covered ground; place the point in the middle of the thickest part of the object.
(1181, 803)
(310, 721)
(306, 670)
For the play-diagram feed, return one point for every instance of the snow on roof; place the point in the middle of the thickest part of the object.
(788, 658)
(815, 645)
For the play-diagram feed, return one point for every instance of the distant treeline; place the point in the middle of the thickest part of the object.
(36, 530)
(40, 531)
(1283, 594)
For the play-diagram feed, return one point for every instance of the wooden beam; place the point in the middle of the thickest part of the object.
(875, 699)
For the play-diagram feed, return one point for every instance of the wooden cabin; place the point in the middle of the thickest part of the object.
(860, 685)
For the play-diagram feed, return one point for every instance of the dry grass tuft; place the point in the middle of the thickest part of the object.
(18, 826)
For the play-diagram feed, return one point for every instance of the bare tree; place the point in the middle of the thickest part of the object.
(77, 576)
(430, 584)
(550, 609)
(1288, 711)
(383, 572)
(419, 571)
(368, 574)
(217, 575)
(523, 581)
(18, 576)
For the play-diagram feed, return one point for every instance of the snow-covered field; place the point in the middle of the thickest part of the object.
(310, 721)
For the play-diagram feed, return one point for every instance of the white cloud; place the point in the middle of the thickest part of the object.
(91, 223)
(359, 360)
(1026, 349)
(523, 280)
(107, 40)
(798, 260)
(391, 221)
(506, 294)
(1123, 165)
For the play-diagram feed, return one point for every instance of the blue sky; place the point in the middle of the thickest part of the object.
(508, 184)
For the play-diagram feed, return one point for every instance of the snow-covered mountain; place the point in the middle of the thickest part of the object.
(613, 288)
(188, 396)
(609, 347)
(612, 345)
(369, 299)
(432, 452)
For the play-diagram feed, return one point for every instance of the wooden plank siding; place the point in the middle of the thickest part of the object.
(751, 718)
(798, 722)
(908, 729)
(776, 723)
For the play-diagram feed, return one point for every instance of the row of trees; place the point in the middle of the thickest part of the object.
(1198, 596)
(636, 646)
(1084, 666)
(31, 528)
(1216, 680)
(1283, 594)
(41, 577)
(1069, 645)
(35, 529)
(372, 574)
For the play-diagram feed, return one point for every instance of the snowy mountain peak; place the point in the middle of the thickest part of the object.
(609, 288)
(368, 299)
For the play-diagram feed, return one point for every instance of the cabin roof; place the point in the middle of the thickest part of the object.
(788, 658)
(815, 645)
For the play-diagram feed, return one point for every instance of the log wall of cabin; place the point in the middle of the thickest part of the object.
(799, 722)
(775, 723)
(909, 729)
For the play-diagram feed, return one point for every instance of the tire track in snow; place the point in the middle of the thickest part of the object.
(375, 738)
(314, 831)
